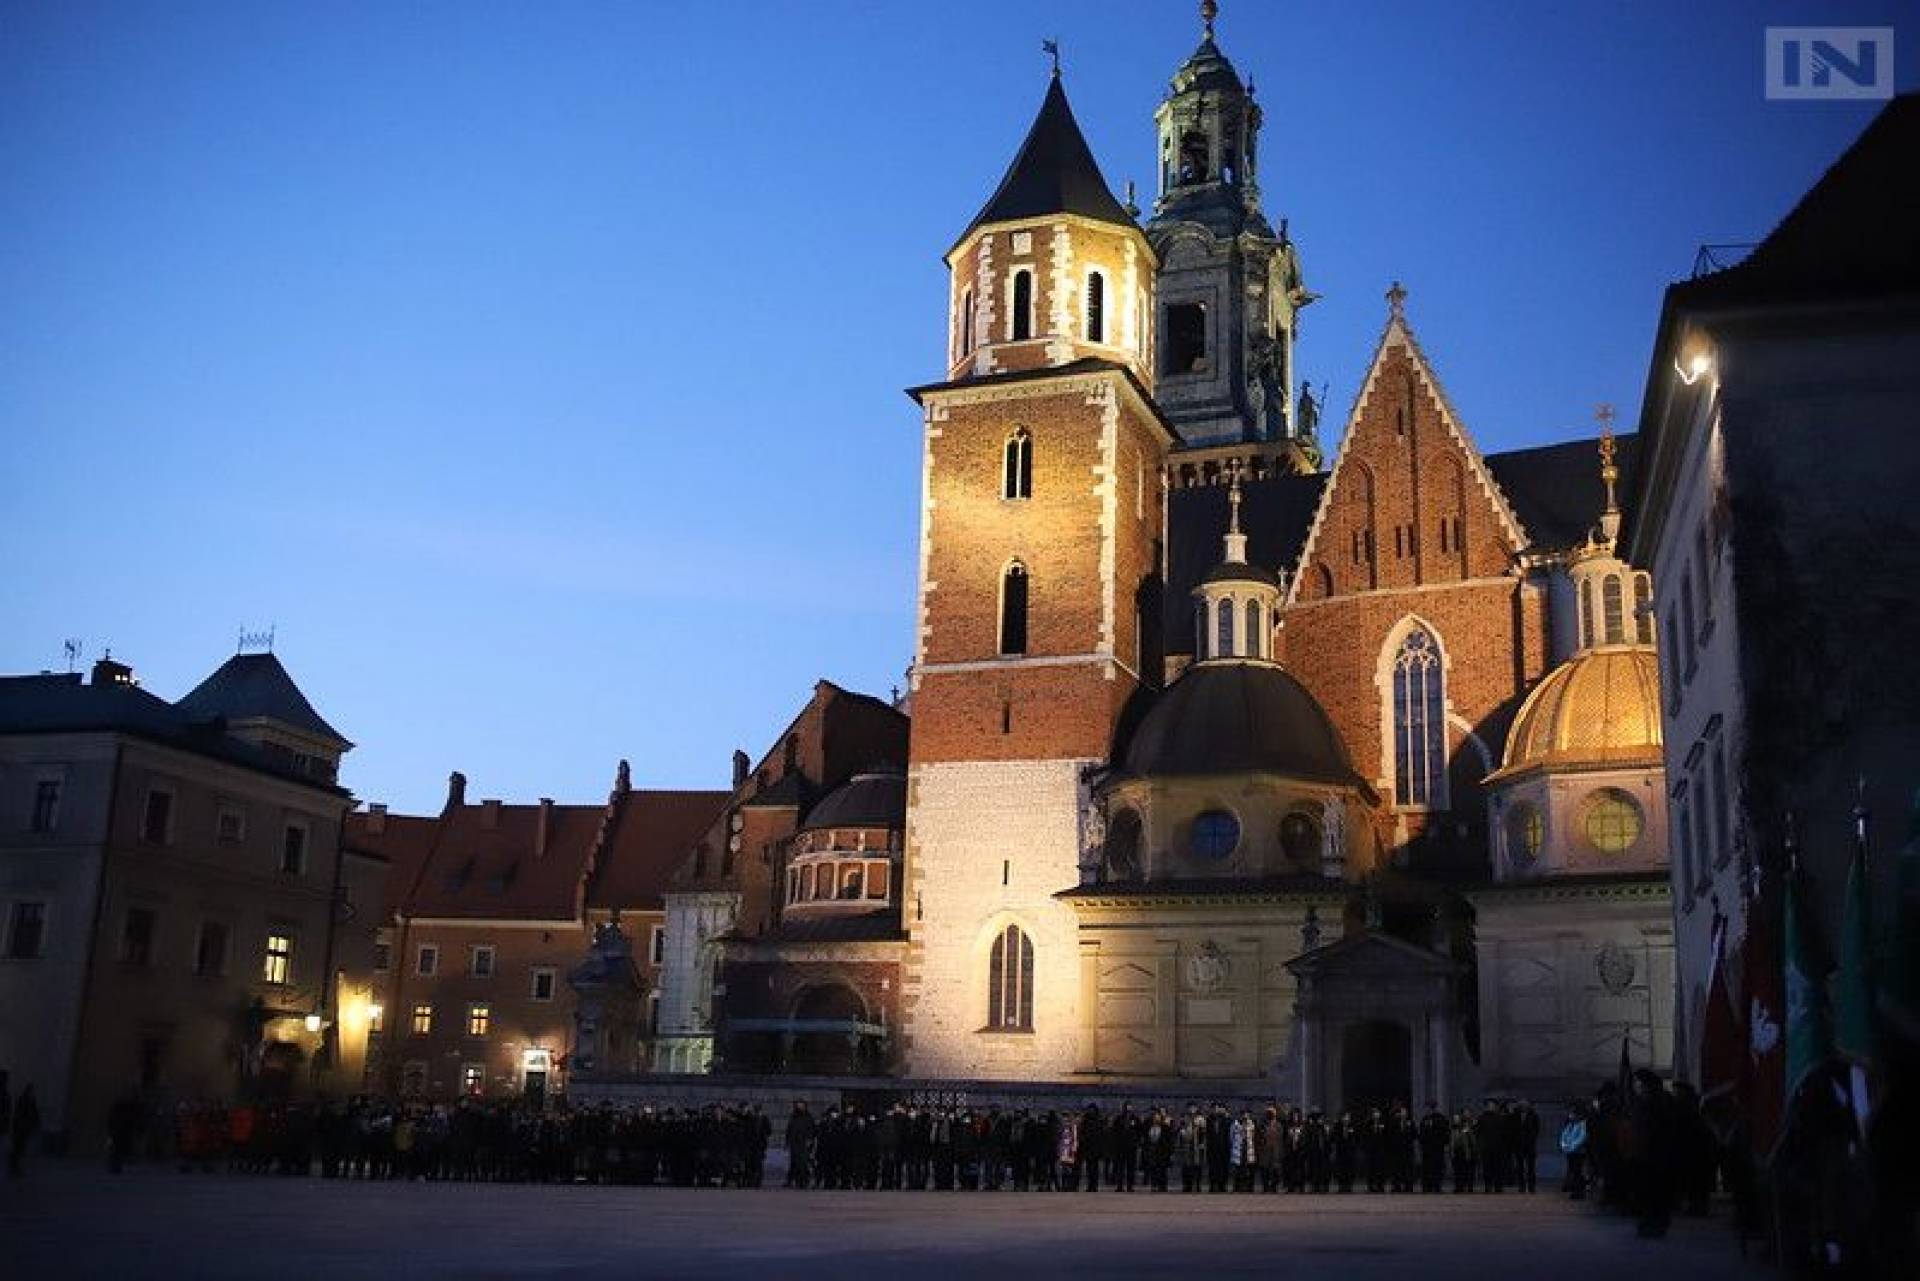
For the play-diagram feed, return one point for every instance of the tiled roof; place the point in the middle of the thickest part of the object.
(63, 704)
(1053, 172)
(485, 863)
(1556, 490)
(256, 685)
(652, 833)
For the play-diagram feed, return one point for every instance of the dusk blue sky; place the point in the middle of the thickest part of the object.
(536, 369)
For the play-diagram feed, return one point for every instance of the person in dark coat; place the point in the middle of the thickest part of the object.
(124, 1121)
(26, 1124)
(800, 1136)
(1434, 1135)
(1526, 1146)
(1650, 1153)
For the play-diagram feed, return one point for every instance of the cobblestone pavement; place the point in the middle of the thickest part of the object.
(67, 1220)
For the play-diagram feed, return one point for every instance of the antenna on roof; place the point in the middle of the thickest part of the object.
(258, 642)
(75, 647)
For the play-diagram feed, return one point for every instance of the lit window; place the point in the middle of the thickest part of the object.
(1419, 723)
(480, 961)
(1016, 472)
(1010, 981)
(1096, 307)
(1613, 821)
(479, 1016)
(1013, 610)
(277, 966)
(46, 804)
(543, 983)
(26, 931)
(1526, 832)
(473, 1078)
(1216, 834)
(422, 1019)
(426, 961)
(376, 1017)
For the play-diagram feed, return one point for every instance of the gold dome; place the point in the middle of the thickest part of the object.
(1599, 709)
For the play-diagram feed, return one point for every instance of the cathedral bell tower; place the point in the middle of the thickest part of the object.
(1040, 536)
(1229, 287)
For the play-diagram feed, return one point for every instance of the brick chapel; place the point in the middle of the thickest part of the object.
(1341, 782)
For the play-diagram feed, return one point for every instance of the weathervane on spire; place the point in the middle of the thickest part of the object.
(1397, 302)
(1609, 471)
(1208, 12)
(1052, 49)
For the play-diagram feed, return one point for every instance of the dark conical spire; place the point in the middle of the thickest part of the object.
(1054, 172)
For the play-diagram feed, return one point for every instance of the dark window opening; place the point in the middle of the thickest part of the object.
(966, 323)
(136, 938)
(1096, 308)
(1016, 479)
(158, 817)
(1193, 157)
(1186, 345)
(27, 930)
(46, 804)
(1022, 305)
(1013, 610)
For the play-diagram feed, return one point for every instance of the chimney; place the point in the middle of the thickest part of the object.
(376, 818)
(545, 829)
(108, 672)
(456, 789)
(740, 766)
(490, 812)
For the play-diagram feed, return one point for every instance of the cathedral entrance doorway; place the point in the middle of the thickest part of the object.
(1376, 1064)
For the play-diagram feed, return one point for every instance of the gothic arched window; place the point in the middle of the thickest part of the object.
(1010, 982)
(1419, 723)
(1016, 480)
(1613, 606)
(1013, 609)
(1255, 641)
(1225, 648)
(1096, 307)
(1022, 305)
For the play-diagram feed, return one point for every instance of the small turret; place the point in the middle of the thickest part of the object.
(1237, 604)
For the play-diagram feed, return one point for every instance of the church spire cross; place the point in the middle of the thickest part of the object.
(1208, 12)
(1397, 301)
(1052, 49)
(1236, 542)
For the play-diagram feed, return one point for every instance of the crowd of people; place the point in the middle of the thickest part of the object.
(1213, 1148)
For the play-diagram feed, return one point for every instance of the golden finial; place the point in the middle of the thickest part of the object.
(1208, 12)
(1235, 541)
(1609, 472)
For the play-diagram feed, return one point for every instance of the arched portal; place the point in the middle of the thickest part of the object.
(1376, 1064)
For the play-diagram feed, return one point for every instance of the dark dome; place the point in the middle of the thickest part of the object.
(1240, 571)
(877, 799)
(1229, 717)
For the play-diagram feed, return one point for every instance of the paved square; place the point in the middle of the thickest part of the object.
(69, 1220)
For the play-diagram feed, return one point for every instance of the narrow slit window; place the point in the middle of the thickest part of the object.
(1022, 305)
(1016, 480)
(1096, 307)
(1013, 610)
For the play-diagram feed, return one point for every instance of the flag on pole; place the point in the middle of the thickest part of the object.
(1723, 1048)
(1809, 1030)
(1763, 1089)
(1856, 1035)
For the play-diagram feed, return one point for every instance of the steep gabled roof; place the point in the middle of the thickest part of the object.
(1054, 172)
(255, 686)
(652, 833)
(1556, 490)
(1398, 333)
(487, 863)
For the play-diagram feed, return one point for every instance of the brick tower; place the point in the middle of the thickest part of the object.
(1040, 536)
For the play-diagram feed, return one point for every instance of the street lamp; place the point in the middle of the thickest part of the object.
(313, 1022)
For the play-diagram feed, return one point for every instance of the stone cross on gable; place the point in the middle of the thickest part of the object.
(1397, 301)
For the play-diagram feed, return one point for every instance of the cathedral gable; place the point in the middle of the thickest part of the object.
(1410, 501)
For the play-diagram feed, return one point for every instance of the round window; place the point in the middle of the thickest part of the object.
(1613, 821)
(1526, 832)
(1215, 834)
